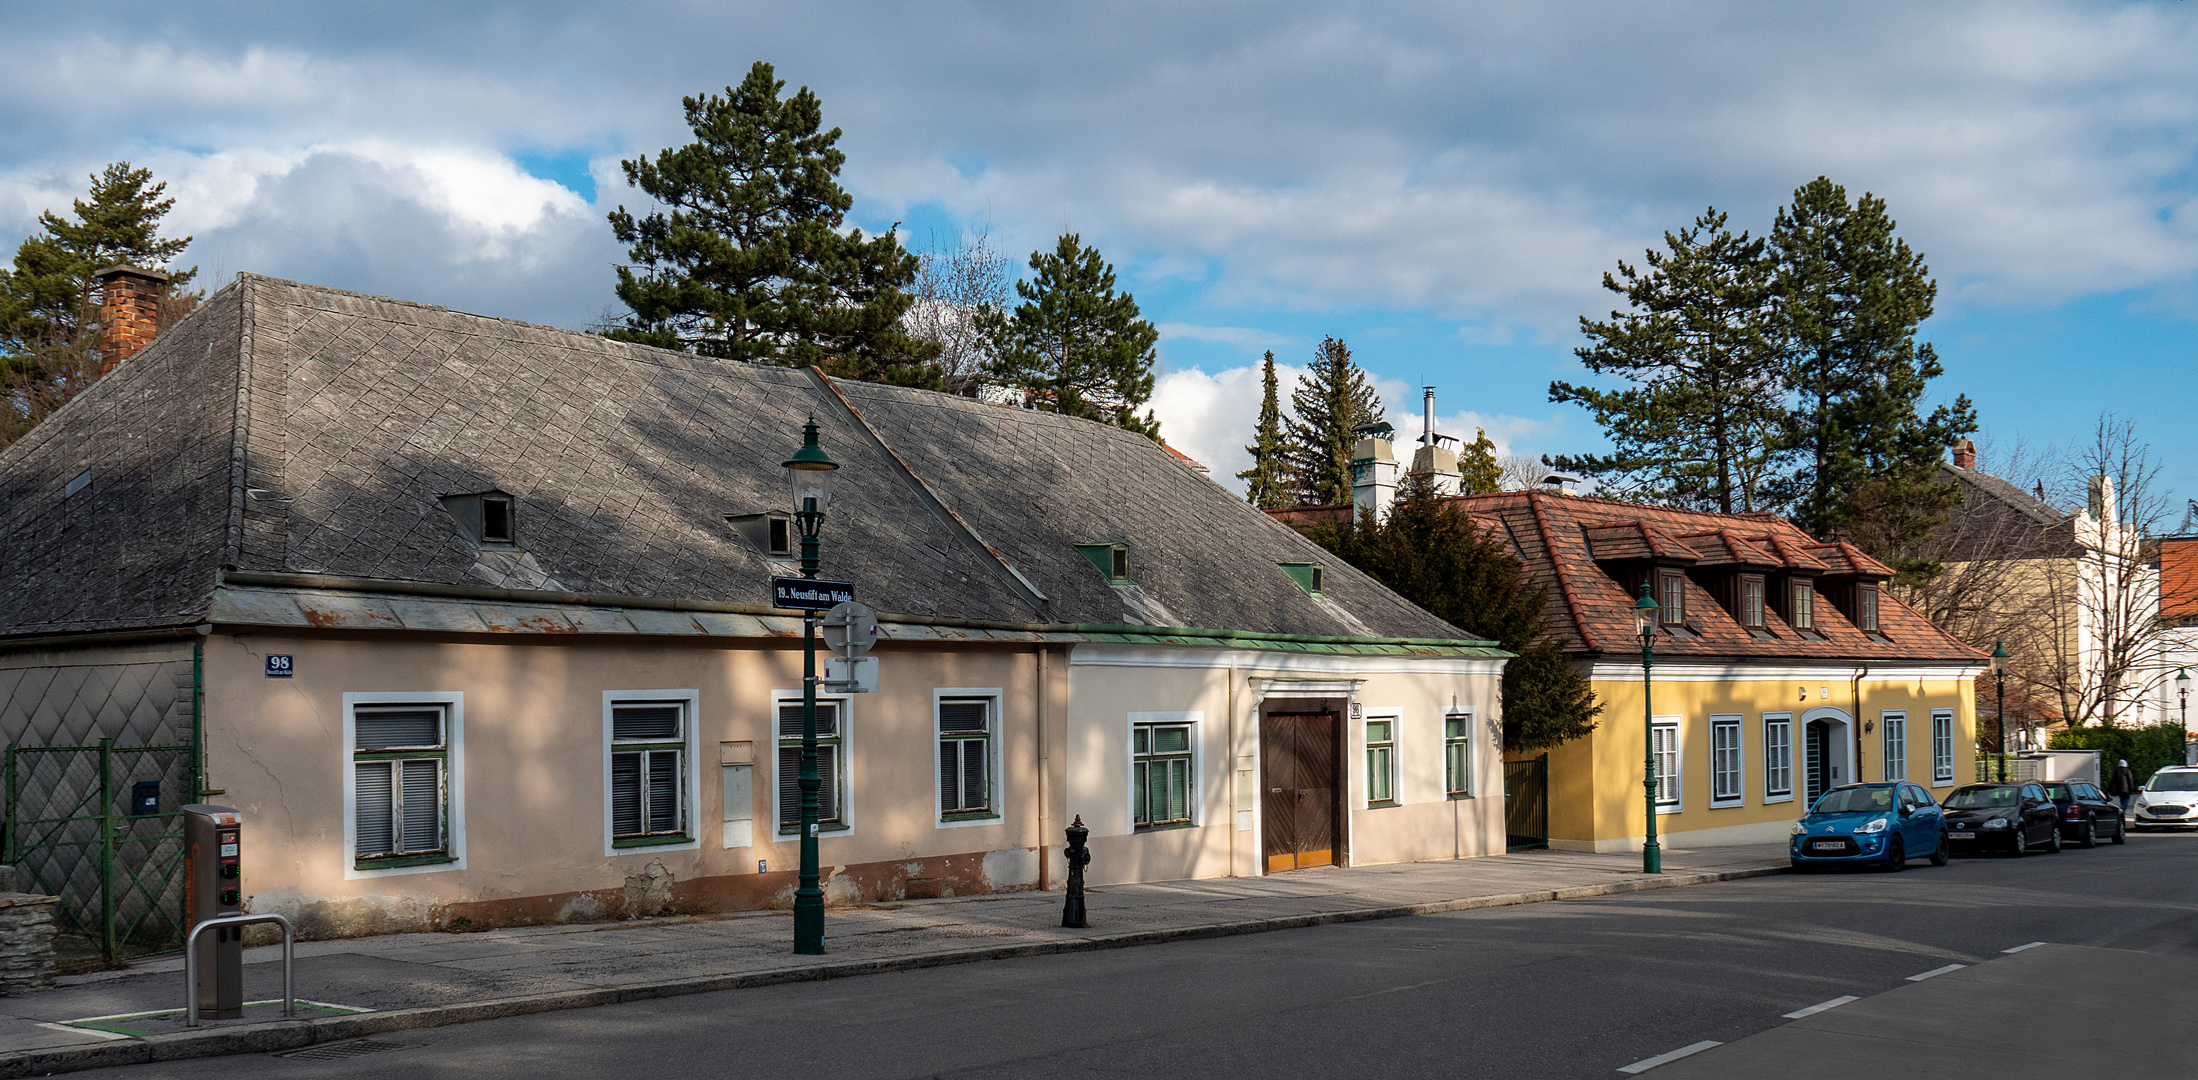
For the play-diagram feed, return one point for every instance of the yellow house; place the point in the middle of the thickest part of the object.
(1781, 667)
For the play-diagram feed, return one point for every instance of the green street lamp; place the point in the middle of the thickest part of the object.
(1644, 620)
(2182, 691)
(809, 472)
(1999, 672)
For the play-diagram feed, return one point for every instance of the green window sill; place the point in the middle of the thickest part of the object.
(650, 841)
(1165, 826)
(970, 815)
(395, 861)
(1455, 795)
(1382, 804)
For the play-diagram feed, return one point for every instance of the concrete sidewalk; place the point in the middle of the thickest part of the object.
(362, 986)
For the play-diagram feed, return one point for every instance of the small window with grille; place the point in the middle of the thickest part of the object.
(649, 773)
(400, 798)
(1804, 604)
(1671, 588)
(967, 727)
(1751, 601)
(831, 766)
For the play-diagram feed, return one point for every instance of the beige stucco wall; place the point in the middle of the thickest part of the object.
(533, 812)
(1224, 690)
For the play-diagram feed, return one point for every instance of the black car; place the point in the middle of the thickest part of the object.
(2002, 817)
(2086, 814)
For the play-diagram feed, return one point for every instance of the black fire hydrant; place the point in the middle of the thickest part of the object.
(1072, 912)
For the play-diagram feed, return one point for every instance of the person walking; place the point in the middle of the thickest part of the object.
(2124, 784)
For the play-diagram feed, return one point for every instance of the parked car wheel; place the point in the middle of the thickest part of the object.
(2121, 833)
(2053, 842)
(2091, 834)
(1944, 851)
(1896, 856)
(2022, 844)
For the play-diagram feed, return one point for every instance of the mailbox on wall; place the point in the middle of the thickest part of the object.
(214, 885)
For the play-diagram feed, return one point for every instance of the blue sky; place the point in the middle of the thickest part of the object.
(1439, 184)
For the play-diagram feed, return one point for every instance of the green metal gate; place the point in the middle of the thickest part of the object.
(71, 831)
(1526, 803)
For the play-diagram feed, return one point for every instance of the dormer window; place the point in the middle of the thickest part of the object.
(1751, 601)
(1111, 559)
(1804, 604)
(1311, 577)
(771, 534)
(1866, 608)
(488, 518)
(1671, 589)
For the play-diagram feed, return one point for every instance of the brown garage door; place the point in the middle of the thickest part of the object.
(1297, 754)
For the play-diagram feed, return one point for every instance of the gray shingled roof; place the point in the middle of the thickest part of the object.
(297, 429)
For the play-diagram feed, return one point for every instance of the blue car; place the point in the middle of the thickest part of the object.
(1871, 824)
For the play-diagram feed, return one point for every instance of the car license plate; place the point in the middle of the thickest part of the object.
(1961, 835)
(1826, 845)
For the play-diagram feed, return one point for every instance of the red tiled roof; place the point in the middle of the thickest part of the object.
(2179, 577)
(1573, 543)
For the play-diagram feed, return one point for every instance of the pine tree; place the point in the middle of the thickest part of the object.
(48, 314)
(1075, 346)
(1331, 402)
(1430, 552)
(1479, 473)
(1267, 482)
(1698, 427)
(749, 262)
(1851, 297)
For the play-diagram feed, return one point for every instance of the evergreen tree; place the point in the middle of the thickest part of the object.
(1331, 402)
(1698, 427)
(749, 262)
(1074, 345)
(1431, 553)
(48, 314)
(1479, 473)
(1267, 482)
(1851, 296)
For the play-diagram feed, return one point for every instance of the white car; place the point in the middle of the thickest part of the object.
(2170, 798)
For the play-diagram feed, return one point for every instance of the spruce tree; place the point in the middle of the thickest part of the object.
(1331, 402)
(1698, 427)
(749, 261)
(1267, 482)
(1479, 473)
(1851, 298)
(1074, 345)
(1430, 552)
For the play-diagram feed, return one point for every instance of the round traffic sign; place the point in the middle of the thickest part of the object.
(850, 628)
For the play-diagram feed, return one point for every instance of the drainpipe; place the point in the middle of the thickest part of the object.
(198, 720)
(1854, 707)
(1045, 837)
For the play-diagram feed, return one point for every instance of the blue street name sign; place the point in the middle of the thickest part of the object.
(809, 594)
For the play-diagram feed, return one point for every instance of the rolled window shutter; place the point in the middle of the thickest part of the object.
(423, 806)
(828, 792)
(625, 794)
(652, 722)
(374, 807)
(973, 774)
(950, 751)
(390, 729)
(664, 791)
(789, 784)
(789, 719)
(963, 716)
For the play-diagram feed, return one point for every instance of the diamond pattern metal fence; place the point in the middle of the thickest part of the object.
(71, 830)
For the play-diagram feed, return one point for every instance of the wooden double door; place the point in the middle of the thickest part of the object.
(1299, 789)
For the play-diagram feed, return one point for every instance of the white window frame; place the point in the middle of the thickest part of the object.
(1789, 766)
(1942, 761)
(1197, 721)
(1678, 774)
(1463, 717)
(1395, 719)
(995, 756)
(1888, 723)
(846, 826)
(1735, 725)
(454, 779)
(690, 702)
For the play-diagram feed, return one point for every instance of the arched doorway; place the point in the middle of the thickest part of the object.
(1827, 752)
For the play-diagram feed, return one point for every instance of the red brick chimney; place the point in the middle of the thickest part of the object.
(129, 311)
(1965, 454)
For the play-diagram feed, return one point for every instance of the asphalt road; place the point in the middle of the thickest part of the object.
(1573, 989)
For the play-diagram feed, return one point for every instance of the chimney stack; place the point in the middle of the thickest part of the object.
(129, 311)
(1965, 454)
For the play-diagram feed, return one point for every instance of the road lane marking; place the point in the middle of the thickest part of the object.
(1935, 972)
(1820, 1007)
(2020, 948)
(1645, 1064)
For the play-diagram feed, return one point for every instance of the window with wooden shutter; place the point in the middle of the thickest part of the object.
(400, 802)
(830, 748)
(649, 773)
(966, 728)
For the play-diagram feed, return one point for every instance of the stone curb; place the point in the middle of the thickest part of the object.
(279, 1035)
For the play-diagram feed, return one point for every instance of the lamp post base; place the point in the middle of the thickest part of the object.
(809, 922)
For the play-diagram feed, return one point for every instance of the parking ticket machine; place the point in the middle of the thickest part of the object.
(214, 886)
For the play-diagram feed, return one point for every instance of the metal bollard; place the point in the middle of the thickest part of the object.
(1079, 856)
